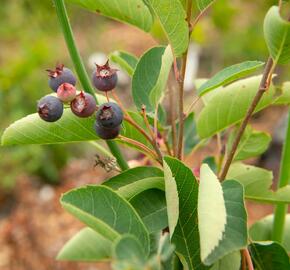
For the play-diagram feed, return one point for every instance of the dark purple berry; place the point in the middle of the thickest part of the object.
(84, 105)
(109, 115)
(105, 78)
(66, 92)
(107, 133)
(59, 76)
(50, 108)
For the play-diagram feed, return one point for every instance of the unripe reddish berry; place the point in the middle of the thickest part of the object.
(105, 78)
(84, 105)
(59, 76)
(66, 92)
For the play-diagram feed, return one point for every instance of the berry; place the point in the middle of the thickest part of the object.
(107, 133)
(109, 115)
(66, 92)
(84, 105)
(59, 76)
(105, 78)
(50, 108)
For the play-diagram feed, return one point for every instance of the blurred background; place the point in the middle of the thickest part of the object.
(33, 227)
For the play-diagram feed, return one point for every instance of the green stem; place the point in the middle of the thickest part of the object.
(118, 155)
(284, 179)
(80, 70)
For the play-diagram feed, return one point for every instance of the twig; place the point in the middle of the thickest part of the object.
(172, 119)
(264, 86)
(181, 85)
(280, 5)
(248, 258)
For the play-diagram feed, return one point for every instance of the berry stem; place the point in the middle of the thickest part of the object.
(143, 109)
(131, 121)
(153, 140)
(80, 69)
(140, 146)
(264, 86)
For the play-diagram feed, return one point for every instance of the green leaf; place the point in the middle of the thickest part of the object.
(221, 109)
(70, 128)
(262, 230)
(235, 236)
(229, 75)
(171, 15)
(106, 212)
(134, 181)
(151, 207)
(133, 12)
(150, 77)
(203, 4)
(257, 183)
(129, 249)
(181, 197)
(87, 246)
(277, 36)
(212, 216)
(231, 261)
(253, 143)
(33, 130)
(269, 256)
(125, 60)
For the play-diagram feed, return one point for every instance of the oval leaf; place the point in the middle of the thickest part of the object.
(151, 207)
(253, 143)
(262, 230)
(277, 36)
(86, 246)
(134, 181)
(134, 12)
(171, 15)
(181, 197)
(235, 236)
(228, 75)
(106, 212)
(212, 217)
(150, 77)
(221, 109)
(257, 183)
(269, 256)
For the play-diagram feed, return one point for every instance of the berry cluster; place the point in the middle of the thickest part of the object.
(109, 115)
